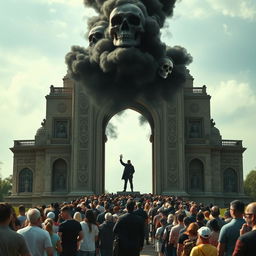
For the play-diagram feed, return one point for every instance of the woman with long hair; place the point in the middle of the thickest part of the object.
(56, 244)
(90, 234)
(189, 243)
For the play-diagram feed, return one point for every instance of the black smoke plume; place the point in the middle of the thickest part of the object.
(111, 131)
(142, 120)
(122, 74)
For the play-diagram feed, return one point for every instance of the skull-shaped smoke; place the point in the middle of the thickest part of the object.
(122, 62)
(165, 67)
(95, 34)
(126, 26)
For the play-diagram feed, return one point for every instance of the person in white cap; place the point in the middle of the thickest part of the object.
(204, 248)
(55, 227)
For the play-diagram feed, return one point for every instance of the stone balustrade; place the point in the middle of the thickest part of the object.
(231, 143)
(60, 91)
(24, 143)
(195, 91)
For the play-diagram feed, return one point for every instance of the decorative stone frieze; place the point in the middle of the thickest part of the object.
(194, 108)
(83, 174)
(62, 107)
(172, 150)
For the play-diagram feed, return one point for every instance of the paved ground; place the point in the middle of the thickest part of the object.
(148, 251)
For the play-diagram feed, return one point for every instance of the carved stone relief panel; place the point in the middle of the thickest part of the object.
(83, 175)
(172, 175)
(62, 107)
(172, 155)
(171, 108)
(83, 132)
(83, 104)
(61, 128)
(172, 135)
(195, 128)
(83, 127)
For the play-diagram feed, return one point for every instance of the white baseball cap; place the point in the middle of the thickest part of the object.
(51, 215)
(204, 232)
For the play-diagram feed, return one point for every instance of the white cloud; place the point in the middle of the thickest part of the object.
(203, 9)
(64, 2)
(192, 9)
(231, 96)
(235, 8)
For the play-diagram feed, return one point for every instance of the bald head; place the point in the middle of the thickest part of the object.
(251, 208)
(250, 214)
(33, 216)
(108, 217)
(215, 211)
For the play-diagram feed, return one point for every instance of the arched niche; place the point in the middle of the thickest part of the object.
(25, 181)
(230, 181)
(196, 176)
(59, 175)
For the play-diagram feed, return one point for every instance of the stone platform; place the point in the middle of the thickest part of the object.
(126, 193)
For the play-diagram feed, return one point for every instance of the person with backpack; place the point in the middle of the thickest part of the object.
(189, 243)
(165, 247)
(159, 237)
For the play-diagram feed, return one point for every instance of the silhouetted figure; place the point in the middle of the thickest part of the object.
(128, 173)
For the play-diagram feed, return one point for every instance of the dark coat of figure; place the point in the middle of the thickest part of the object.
(106, 236)
(128, 173)
(129, 230)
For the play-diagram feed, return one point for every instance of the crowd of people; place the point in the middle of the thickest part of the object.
(120, 225)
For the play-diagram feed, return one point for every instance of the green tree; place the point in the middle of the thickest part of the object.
(5, 187)
(250, 184)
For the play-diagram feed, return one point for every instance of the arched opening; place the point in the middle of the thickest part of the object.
(25, 181)
(128, 133)
(230, 181)
(196, 176)
(59, 176)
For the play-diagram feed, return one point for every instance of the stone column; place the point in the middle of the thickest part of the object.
(81, 142)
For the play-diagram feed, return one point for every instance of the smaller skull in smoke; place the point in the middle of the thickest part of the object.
(95, 34)
(126, 25)
(165, 67)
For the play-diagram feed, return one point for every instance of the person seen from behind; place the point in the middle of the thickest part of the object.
(203, 247)
(56, 244)
(90, 235)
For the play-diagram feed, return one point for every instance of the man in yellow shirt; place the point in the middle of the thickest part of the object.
(204, 248)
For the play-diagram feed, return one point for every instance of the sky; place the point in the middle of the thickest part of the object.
(36, 35)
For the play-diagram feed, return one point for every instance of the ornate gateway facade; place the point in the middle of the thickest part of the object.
(66, 158)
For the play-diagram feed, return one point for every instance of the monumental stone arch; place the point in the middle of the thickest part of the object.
(89, 151)
(66, 159)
